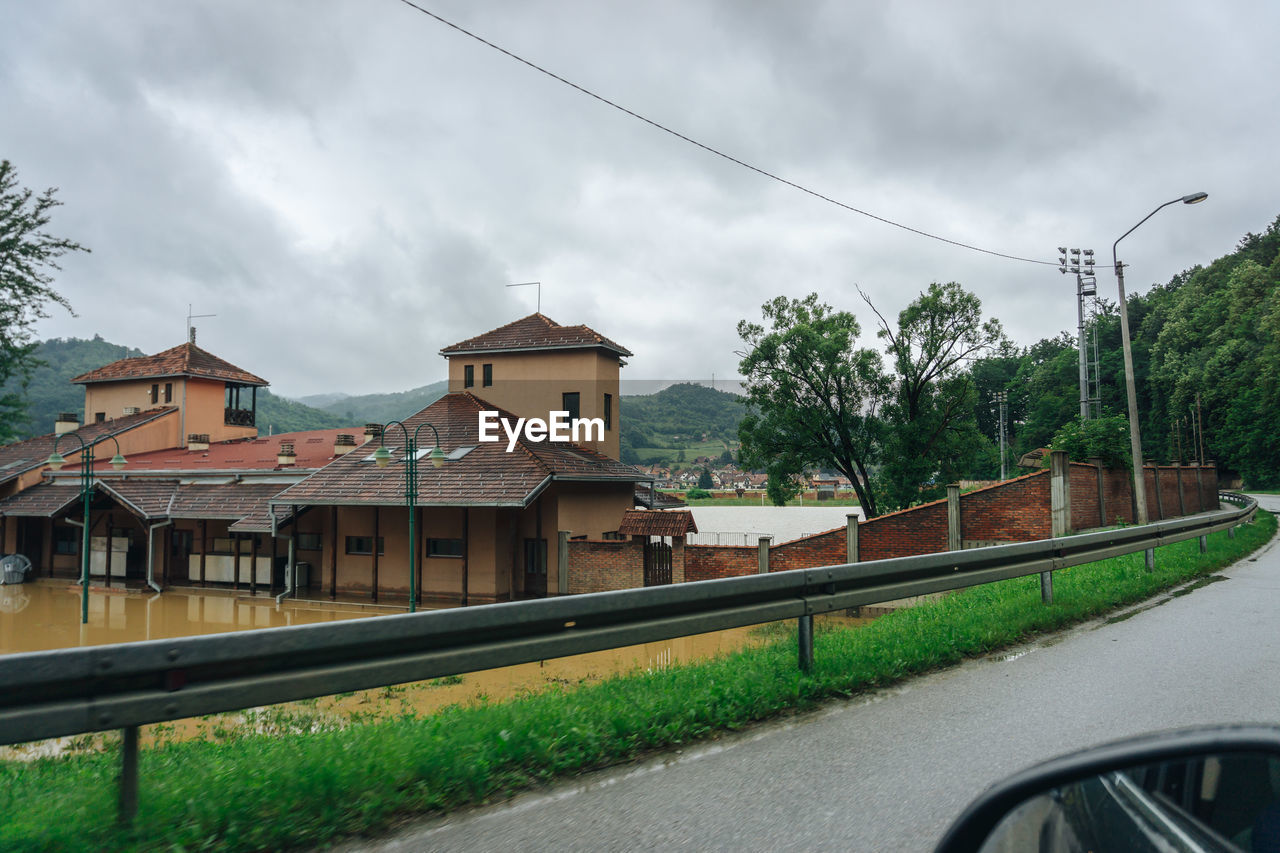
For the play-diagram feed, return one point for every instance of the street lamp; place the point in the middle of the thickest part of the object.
(1135, 439)
(56, 461)
(382, 458)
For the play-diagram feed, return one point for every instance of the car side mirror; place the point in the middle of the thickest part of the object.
(1203, 789)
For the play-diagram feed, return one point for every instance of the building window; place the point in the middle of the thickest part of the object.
(569, 403)
(168, 392)
(309, 542)
(66, 540)
(468, 376)
(444, 547)
(99, 417)
(155, 393)
(486, 378)
(363, 545)
(608, 411)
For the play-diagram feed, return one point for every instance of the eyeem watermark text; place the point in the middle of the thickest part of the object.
(557, 427)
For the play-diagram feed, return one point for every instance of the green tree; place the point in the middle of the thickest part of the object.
(812, 397)
(27, 254)
(930, 412)
(704, 480)
(1106, 438)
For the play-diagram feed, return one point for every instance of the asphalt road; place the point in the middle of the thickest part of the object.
(891, 771)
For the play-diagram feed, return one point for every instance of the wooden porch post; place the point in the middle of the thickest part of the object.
(253, 567)
(235, 561)
(333, 554)
(466, 545)
(204, 546)
(374, 585)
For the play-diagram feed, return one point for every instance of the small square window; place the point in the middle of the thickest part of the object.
(487, 375)
(468, 376)
(570, 401)
(363, 545)
(309, 542)
(444, 547)
(168, 392)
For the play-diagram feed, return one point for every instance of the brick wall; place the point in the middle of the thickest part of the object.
(1015, 510)
(919, 530)
(598, 565)
(704, 562)
(820, 549)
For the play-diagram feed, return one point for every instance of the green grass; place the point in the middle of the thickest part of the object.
(254, 792)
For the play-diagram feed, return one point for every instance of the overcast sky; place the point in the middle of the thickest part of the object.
(349, 185)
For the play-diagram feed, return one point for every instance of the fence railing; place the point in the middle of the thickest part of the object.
(82, 690)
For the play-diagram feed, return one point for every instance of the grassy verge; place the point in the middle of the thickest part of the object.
(253, 792)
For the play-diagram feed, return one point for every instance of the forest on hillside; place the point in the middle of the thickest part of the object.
(1206, 349)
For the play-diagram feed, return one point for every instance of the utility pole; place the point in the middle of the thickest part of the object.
(1002, 397)
(1086, 286)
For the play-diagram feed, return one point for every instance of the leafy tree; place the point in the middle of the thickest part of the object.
(27, 254)
(704, 480)
(812, 397)
(929, 414)
(1107, 438)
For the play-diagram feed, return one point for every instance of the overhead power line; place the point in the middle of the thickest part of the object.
(717, 152)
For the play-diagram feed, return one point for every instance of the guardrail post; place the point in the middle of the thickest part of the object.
(804, 635)
(953, 517)
(128, 774)
(763, 545)
(1204, 544)
(1231, 533)
(851, 538)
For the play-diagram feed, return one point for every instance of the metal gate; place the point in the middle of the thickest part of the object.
(657, 563)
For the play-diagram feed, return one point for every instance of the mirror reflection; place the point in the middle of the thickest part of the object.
(1227, 802)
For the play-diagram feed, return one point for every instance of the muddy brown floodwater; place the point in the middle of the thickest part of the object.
(46, 615)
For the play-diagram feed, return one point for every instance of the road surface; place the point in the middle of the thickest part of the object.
(890, 771)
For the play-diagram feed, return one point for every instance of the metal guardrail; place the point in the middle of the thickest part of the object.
(75, 691)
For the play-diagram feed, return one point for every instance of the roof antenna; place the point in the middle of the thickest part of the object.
(530, 284)
(191, 330)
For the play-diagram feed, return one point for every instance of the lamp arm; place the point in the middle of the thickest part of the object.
(1135, 228)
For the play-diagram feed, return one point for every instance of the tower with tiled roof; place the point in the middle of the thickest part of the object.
(535, 366)
(216, 401)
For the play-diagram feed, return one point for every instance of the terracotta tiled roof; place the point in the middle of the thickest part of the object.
(484, 475)
(312, 449)
(41, 501)
(535, 332)
(183, 360)
(647, 522)
(17, 459)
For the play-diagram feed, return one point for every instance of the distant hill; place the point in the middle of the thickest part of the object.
(679, 424)
(50, 391)
(320, 401)
(383, 408)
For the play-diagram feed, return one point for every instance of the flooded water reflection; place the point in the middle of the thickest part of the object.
(40, 616)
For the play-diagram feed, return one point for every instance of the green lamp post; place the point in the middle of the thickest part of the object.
(382, 458)
(56, 461)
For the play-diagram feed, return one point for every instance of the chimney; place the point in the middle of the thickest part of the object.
(372, 431)
(286, 456)
(192, 331)
(344, 444)
(66, 422)
(198, 441)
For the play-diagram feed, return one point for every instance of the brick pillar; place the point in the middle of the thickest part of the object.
(953, 517)
(851, 538)
(677, 559)
(1182, 500)
(1096, 462)
(764, 554)
(1199, 487)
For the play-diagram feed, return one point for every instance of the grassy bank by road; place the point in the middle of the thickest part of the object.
(254, 792)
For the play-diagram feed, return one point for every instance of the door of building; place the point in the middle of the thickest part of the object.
(657, 563)
(535, 568)
(180, 557)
